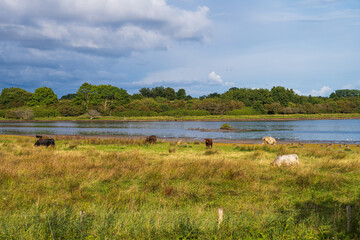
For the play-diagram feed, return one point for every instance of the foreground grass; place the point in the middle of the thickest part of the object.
(207, 118)
(88, 188)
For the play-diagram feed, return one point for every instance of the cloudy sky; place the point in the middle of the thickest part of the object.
(311, 46)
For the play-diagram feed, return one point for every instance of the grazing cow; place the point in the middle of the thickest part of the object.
(286, 160)
(268, 140)
(45, 142)
(39, 136)
(151, 139)
(208, 142)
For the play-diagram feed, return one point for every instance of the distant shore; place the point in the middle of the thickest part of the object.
(209, 118)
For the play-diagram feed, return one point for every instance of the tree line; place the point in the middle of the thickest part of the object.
(107, 100)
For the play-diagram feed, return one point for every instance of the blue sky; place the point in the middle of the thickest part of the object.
(311, 46)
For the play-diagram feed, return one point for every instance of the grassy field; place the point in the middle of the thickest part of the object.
(207, 118)
(117, 188)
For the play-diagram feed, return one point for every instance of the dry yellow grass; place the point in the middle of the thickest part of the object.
(124, 175)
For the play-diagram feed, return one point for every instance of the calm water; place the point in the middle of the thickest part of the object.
(307, 130)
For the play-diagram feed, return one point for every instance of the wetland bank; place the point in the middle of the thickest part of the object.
(344, 130)
(122, 188)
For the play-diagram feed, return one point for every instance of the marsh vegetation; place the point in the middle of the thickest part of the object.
(119, 188)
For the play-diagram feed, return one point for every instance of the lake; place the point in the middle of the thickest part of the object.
(300, 130)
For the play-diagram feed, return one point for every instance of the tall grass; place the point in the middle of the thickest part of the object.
(129, 190)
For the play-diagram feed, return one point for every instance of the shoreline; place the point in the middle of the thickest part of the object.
(183, 119)
(190, 139)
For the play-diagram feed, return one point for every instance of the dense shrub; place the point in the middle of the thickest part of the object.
(11, 114)
(68, 110)
(93, 113)
(135, 113)
(20, 113)
(2, 113)
(243, 111)
(216, 106)
(185, 112)
(43, 111)
(226, 126)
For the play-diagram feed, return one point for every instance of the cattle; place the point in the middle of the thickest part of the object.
(268, 140)
(208, 142)
(286, 160)
(45, 142)
(151, 139)
(39, 136)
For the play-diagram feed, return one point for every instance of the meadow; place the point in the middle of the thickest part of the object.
(119, 188)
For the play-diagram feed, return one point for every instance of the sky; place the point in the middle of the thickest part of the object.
(311, 46)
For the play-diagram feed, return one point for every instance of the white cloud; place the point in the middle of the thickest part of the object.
(183, 77)
(298, 92)
(323, 92)
(347, 86)
(216, 79)
(353, 85)
(101, 26)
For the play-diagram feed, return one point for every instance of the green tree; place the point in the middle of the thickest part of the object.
(69, 96)
(84, 95)
(273, 108)
(66, 109)
(146, 92)
(14, 97)
(158, 92)
(169, 93)
(181, 94)
(279, 94)
(345, 93)
(43, 96)
(259, 107)
(137, 96)
(109, 96)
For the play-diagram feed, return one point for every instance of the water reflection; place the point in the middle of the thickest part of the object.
(307, 130)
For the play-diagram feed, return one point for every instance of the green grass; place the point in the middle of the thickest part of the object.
(130, 190)
(208, 117)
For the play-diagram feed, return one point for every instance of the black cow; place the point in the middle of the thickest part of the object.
(45, 142)
(39, 136)
(151, 139)
(208, 142)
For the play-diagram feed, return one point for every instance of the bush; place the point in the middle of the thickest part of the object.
(185, 112)
(42, 111)
(226, 126)
(27, 114)
(243, 111)
(11, 114)
(67, 110)
(93, 113)
(20, 113)
(2, 113)
(135, 113)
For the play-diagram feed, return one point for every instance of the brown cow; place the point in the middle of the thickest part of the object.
(151, 139)
(208, 142)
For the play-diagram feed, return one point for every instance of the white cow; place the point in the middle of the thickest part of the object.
(286, 160)
(268, 140)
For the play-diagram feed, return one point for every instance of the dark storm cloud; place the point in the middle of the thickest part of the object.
(64, 43)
